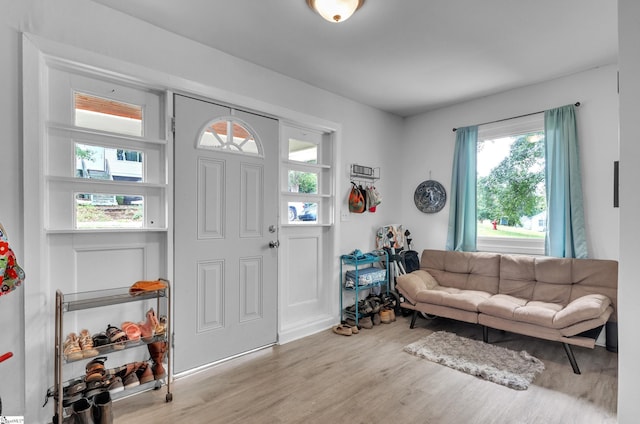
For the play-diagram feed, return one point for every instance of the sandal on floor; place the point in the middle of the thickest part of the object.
(354, 328)
(116, 336)
(342, 330)
(71, 348)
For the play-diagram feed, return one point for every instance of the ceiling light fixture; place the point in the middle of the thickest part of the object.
(335, 10)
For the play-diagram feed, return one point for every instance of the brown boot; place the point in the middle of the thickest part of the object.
(157, 351)
(144, 373)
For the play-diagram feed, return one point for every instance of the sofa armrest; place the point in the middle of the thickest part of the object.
(581, 309)
(415, 282)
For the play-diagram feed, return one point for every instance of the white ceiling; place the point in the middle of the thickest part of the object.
(401, 56)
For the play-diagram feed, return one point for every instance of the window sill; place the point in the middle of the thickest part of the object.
(511, 245)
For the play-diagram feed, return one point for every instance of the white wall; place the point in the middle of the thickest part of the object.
(429, 141)
(629, 287)
(368, 136)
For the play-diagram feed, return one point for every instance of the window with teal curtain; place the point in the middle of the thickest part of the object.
(566, 235)
(462, 205)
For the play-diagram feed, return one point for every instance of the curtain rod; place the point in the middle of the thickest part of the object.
(576, 104)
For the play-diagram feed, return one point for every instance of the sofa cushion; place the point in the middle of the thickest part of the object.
(536, 278)
(468, 300)
(545, 314)
(427, 279)
(517, 309)
(463, 270)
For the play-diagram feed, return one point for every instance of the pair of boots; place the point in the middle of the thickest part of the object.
(98, 413)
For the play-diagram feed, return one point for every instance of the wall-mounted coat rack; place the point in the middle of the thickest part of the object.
(360, 173)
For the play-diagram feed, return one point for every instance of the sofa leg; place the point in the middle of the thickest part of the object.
(413, 318)
(485, 334)
(572, 358)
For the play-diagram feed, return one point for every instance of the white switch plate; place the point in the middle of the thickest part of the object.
(344, 216)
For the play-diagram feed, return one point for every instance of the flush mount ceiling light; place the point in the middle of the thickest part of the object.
(335, 10)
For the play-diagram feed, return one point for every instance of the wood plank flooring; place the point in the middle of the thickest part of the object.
(367, 378)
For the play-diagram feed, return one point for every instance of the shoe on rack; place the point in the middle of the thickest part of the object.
(144, 373)
(157, 352)
(86, 344)
(375, 318)
(71, 348)
(375, 303)
(117, 337)
(131, 380)
(101, 342)
(94, 388)
(158, 326)
(147, 328)
(132, 331)
(365, 307)
(95, 370)
(116, 385)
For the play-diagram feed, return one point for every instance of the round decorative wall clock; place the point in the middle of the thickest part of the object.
(430, 196)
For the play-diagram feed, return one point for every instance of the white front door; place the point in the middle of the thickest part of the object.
(226, 179)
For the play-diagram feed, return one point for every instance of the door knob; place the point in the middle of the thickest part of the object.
(274, 244)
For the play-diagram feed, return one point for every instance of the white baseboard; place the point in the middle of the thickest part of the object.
(307, 328)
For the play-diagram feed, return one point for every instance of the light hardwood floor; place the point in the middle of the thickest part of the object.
(367, 378)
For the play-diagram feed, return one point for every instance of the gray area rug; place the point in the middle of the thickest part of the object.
(494, 363)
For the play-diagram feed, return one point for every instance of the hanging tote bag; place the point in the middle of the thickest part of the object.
(11, 275)
(356, 200)
(374, 198)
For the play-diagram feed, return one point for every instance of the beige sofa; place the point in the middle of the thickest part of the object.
(565, 300)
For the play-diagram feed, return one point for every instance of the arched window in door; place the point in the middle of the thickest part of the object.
(230, 134)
